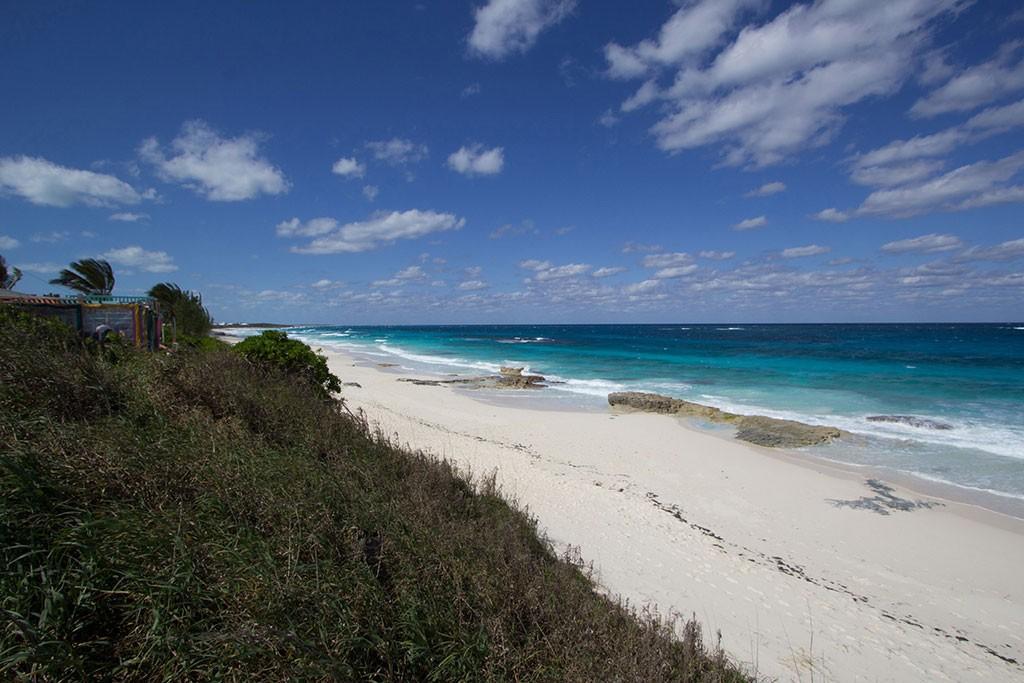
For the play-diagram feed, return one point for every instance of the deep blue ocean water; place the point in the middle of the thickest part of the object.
(968, 376)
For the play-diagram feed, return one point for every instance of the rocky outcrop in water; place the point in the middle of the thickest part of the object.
(912, 421)
(756, 429)
(510, 378)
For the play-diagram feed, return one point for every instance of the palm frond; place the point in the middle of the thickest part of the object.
(89, 276)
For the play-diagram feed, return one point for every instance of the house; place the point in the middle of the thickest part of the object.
(136, 318)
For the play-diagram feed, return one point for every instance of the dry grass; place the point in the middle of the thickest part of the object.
(196, 517)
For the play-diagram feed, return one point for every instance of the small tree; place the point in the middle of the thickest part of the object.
(183, 308)
(273, 348)
(8, 276)
(88, 276)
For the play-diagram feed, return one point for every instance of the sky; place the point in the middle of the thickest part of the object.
(524, 161)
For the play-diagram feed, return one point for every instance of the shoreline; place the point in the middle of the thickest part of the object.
(800, 564)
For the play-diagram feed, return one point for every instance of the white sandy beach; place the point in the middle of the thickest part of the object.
(749, 540)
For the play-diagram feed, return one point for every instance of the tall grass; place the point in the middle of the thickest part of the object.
(194, 516)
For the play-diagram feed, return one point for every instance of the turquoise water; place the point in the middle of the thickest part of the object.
(967, 377)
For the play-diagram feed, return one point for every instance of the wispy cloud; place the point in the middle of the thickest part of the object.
(48, 184)
(767, 189)
(925, 244)
(398, 151)
(380, 229)
(751, 223)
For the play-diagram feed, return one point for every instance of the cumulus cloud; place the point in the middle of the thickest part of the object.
(475, 160)
(781, 86)
(641, 287)
(832, 215)
(220, 169)
(506, 27)
(8, 242)
(751, 223)
(767, 189)
(129, 217)
(809, 250)
(48, 184)
(977, 85)
(925, 244)
(349, 167)
(137, 257)
(380, 229)
(675, 271)
(398, 151)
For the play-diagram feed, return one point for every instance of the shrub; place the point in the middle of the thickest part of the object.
(275, 349)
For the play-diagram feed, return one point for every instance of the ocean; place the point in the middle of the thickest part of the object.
(951, 395)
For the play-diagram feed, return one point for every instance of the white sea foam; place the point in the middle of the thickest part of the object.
(439, 360)
(728, 329)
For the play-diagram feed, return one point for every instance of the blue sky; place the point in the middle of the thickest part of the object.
(524, 160)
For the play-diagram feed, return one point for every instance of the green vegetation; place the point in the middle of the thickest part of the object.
(8, 276)
(182, 310)
(88, 276)
(194, 516)
(275, 349)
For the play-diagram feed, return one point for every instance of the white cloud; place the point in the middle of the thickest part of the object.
(475, 160)
(779, 87)
(901, 174)
(667, 260)
(48, 184)
(51, 237)
(348, 167)
(925, 244)
(978, 184)
(751, 223)
(7, 242)
(470, 90)
(504, 27)
(534, 264)
(137, 257)
(559, 272)
(1009, 250)
(311, 228)
(641, 287)
(977, 85)
(129, 217)
(809, 250)
(473, 285)
(512, 230)
(636, 247)
(324, 284)
(608, 118)
(220, 169)
(717, 255)
(381, 228)
(370, 192)
(608, 271)
(647, 93)
(767, 189)
(675, 271)
(689, 33)
(397, 151)
(410, 273)
(832, 215)
(46, 268)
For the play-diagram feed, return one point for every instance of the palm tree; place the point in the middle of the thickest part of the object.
(183, 309)
(88, 276)
(8, 278)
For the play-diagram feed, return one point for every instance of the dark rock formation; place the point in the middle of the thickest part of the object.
(513, 378)
(911, 420)
(757, 429)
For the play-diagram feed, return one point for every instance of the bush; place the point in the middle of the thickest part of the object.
(273, 348)
(194, 516)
